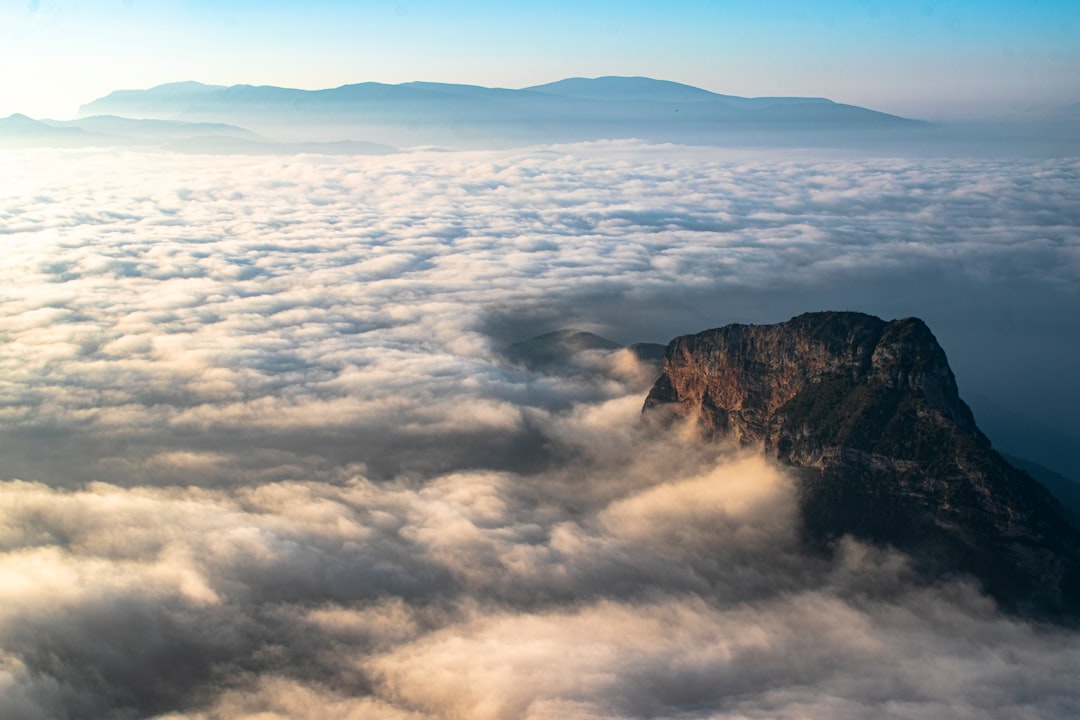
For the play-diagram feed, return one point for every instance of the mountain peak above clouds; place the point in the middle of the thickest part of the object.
(21, 122)
(19, 130)
(617, 88)
(460, 115)
(621, 88)
(868, 415)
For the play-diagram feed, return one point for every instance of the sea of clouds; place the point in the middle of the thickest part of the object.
(260, 456)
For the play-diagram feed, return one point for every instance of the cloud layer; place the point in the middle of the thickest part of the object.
(261, 454)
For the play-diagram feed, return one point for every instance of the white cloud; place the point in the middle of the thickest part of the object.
(275, 467)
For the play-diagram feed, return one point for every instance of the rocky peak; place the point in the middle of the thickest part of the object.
(736, 378)
(868, 414)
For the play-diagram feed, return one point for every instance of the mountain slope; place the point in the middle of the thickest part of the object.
(104, 131)
(644, 89)
(627, 89)
(576, 109)
(156, 130)
(21, 131)
(868, 414)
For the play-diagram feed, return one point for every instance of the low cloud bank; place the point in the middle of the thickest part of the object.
(168, 304)
(665, 584)
(261, 456)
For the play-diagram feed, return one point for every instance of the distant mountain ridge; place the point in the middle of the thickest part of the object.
(21, 131)
(181, 95)
(624, 89)
(573, 109)
(112, 131)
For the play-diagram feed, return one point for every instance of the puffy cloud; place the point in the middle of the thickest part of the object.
(805, 655)
(274, 466)
(493, 596)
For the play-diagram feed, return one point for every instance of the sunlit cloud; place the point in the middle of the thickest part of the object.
(262, 455)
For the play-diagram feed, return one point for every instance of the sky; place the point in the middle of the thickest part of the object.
(927, 59)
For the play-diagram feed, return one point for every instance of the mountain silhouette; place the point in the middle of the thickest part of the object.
(570, 110)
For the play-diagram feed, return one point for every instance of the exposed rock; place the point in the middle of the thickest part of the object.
(869, 413)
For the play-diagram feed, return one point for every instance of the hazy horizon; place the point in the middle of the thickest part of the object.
(1014, 112)
(953, 59)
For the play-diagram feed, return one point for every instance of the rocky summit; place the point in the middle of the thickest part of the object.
(867, 414)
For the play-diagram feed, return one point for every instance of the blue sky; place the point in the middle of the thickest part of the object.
(928, 58)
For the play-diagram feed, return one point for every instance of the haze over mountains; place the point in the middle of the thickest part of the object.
(376, 118)
(468, 116)
(104, 131)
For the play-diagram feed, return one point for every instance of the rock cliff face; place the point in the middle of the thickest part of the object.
(868, 414)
